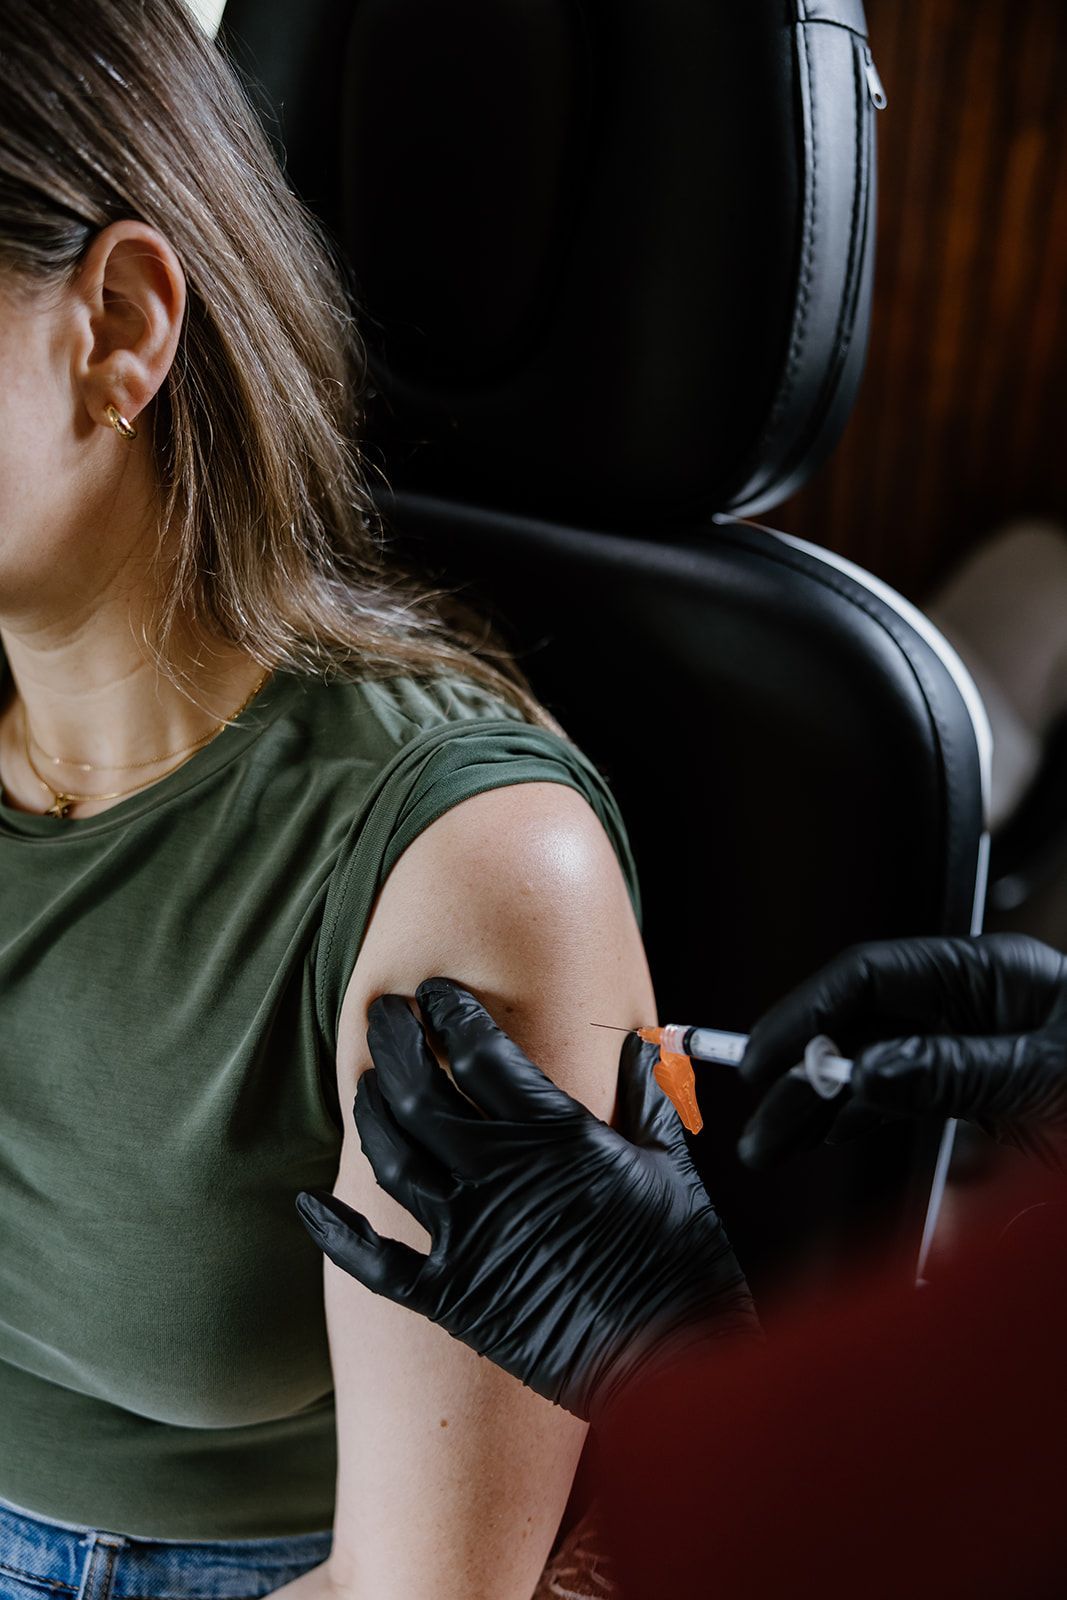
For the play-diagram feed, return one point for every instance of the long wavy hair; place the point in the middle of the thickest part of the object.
(113, 109)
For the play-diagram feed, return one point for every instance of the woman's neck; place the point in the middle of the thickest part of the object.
(93, 695)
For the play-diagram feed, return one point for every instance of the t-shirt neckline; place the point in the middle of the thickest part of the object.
(225, 747)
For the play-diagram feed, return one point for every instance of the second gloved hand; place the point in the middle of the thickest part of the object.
(970, 1028)
(572, 1255)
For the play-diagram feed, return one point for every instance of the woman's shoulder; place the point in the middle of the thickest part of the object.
(411, 747)
(461, 775)
(420, 704)
(384, 714)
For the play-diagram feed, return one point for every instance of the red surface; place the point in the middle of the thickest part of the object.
(903, 1444)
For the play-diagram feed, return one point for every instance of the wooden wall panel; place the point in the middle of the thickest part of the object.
(960, 421)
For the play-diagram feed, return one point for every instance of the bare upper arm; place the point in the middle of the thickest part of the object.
(518, 895)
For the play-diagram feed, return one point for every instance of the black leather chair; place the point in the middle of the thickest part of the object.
(614, 267)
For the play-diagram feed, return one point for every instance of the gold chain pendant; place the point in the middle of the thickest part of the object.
(60, 805)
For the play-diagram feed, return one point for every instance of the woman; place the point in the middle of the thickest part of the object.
(249, 782)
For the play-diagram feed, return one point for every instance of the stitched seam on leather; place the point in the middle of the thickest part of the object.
(846, 320)
(842, 339)
(805, 16)
(828, 22)
(807, 258)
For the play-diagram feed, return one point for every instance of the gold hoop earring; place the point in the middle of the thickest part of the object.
(120, 423)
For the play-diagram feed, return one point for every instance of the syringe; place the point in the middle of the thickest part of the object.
(823, 1067)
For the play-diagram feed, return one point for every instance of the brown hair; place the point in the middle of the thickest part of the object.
(124, 108)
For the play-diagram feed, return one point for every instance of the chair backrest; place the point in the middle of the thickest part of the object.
(614, 265)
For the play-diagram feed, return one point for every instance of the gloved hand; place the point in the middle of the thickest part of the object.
(969, 1028)
(571, 1255)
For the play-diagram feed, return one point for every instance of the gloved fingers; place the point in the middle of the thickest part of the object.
(868, 990)
(423, 1102)
(383, 1265)
(403, 1168)
(487, 1064)
(791, 1117)
(646, 1116)
(991, 984)
(1025, 984)
(946, 1075)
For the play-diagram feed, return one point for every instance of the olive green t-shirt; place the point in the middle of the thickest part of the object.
(171, 977)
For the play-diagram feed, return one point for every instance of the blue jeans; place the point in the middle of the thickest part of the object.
(42, 1560)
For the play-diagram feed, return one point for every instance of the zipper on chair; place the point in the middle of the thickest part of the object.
(875, 87)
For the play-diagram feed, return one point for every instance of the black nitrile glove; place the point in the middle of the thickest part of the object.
(969, 1028)
(571, 1255)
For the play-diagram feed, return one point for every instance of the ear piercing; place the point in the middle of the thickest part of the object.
(120, 423)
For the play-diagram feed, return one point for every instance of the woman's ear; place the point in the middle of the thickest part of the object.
(129, 305)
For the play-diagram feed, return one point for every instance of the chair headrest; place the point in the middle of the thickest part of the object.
(613, 258)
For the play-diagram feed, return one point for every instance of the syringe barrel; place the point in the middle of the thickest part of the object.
(709, 1044)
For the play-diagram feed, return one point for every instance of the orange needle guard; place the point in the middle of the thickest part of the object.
(674, 1074)
(676, 1078)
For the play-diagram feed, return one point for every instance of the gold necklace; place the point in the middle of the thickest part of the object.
(132, 766)
(62, 799)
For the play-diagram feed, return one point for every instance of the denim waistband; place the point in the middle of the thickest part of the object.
(78, 1563)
